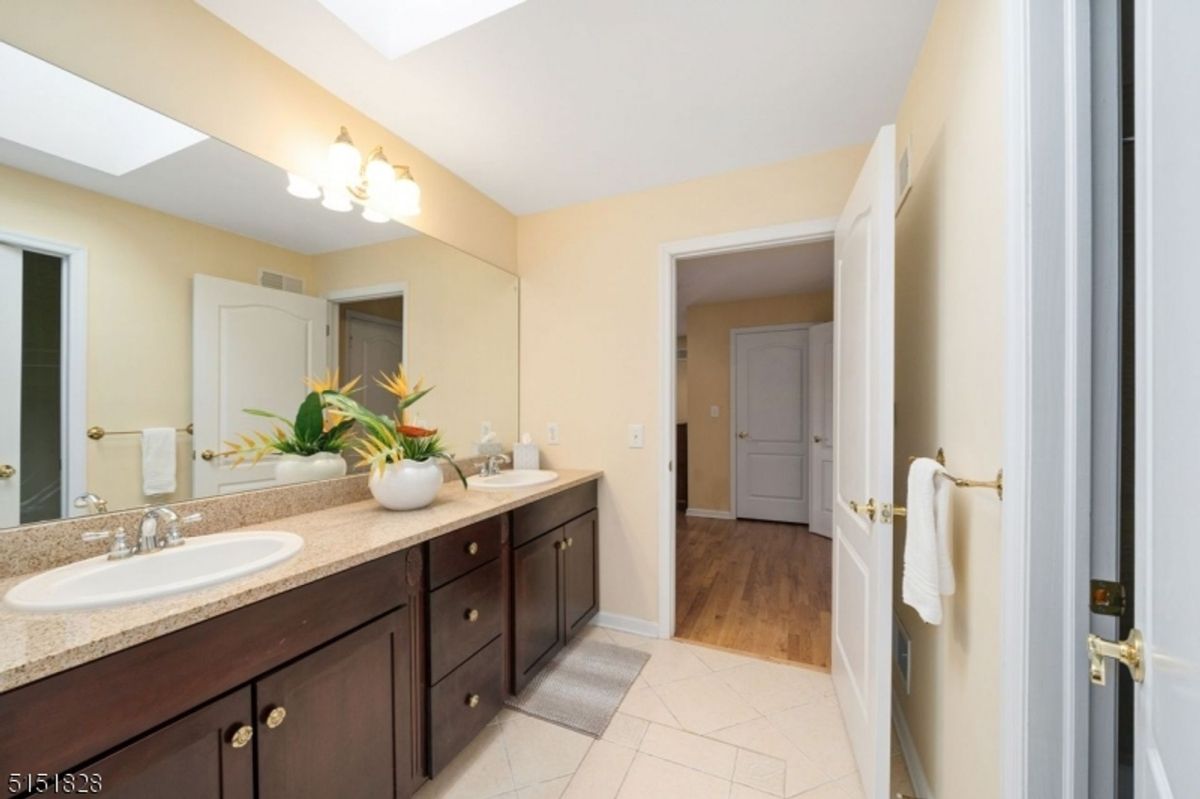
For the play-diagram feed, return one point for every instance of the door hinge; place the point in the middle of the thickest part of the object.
(326, 331)
(1106, 598)
(1130, 652)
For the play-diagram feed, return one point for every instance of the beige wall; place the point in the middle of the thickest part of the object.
(461, 324)
(709, 327)
(178, 59)
(949, 379)
(589, 327)
(140, 267)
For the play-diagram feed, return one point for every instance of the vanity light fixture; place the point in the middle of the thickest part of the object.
(384, 191)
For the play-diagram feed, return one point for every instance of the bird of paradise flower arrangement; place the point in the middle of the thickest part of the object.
(393, 439)
(317, 428)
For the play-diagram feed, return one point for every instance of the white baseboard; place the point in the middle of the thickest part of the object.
(908, 748)
(626, 624)
(704, 513)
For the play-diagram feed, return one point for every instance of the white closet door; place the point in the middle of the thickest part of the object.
(252, 347)
(820, 428)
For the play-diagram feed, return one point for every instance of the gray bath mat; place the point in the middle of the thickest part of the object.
(582, 687)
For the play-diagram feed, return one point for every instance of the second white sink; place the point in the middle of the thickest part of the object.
(514, 478)
(202, 561)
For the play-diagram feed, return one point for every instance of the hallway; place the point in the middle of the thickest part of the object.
(756, 587)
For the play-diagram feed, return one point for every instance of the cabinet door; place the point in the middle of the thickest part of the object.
(538, 630)
(194, 757)
(338, 722)
(579, 572)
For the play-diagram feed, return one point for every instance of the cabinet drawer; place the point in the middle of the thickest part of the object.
(463, 616)
(530, 521)
(454, 554)
(456, 717)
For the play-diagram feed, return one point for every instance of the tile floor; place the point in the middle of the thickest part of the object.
(697, 723)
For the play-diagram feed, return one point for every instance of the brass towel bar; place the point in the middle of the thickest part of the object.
(887, 511)
(96, 432)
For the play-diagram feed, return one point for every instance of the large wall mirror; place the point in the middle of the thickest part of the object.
(153, 277)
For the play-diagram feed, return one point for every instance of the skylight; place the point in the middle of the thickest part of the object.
(396, 27)
(49, 109)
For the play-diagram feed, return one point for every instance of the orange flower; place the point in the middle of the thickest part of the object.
(412, 431)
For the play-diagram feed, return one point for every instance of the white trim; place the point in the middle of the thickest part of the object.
(908, 749)
(378, 291)
(734, 332)
(626, 624)
(754, 239)
(1044, 551)
(705, 513)
(73, 390)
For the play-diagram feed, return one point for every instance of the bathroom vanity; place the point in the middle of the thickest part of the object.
(365, 681)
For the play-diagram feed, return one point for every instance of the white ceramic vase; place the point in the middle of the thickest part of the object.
(306, 468)
(406, 485)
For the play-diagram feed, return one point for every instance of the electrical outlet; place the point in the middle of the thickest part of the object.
(637, 436)
(484, 429)
(714, 411)
(552, 433)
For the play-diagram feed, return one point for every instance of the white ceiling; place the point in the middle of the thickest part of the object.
(794, 269)
(556, 102)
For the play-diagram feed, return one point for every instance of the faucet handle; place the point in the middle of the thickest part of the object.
(120, 547)
(174, 536)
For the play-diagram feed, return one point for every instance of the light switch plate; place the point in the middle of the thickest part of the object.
(637, 436)
(714, 411)
(552, 433)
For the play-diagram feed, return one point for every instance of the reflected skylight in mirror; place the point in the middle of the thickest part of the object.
(105, 132)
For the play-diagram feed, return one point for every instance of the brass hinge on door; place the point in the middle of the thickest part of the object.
(1130, 652)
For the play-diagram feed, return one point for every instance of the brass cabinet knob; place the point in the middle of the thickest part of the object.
(7, 471)
(241, 736)
(473, 700)
(560, 545)
(276, 717)
(473, 548)
(472, 615)
(570, 542)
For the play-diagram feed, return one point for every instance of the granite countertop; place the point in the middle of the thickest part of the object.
(36, 645)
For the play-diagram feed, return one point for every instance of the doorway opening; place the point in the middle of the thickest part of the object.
(752, 412)
(369, 339)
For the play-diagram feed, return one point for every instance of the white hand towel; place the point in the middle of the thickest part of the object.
(158, 460)
(928, 569)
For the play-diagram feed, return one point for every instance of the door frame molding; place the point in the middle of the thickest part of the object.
(73, 391)
(733, 462)
(668, 254)
(377, 291)
(1045, 544)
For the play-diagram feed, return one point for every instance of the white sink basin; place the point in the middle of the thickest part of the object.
(514, 478)
(202, 561)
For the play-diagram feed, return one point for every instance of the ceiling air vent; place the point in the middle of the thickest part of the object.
(278, 280)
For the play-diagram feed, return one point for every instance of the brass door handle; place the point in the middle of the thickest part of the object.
(473, 548)
(472, 615)
(473, 701)
(241, 736)
(207, 455)
(275, 717)
(7, 471)
(743, 435)
(817, 439)
(1130, 652)
(867, 510)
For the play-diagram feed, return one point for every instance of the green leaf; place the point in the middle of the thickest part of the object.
(446, 457)
(310, 420)
(268, 415)
(411, 398)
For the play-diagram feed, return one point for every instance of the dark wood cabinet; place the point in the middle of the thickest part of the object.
(555, 585)
(579, 572)
(206, 754)
(338, 722)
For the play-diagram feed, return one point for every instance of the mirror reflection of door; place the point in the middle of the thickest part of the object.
(372, 333)
(31, 358)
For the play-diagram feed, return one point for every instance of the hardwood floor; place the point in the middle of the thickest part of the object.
(756, 587)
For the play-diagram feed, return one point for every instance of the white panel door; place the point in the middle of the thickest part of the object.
(864, 245)
(11, 301)
(1167, 437)
(771, 450)
(252, 347)
(373, 345)
(820, 429)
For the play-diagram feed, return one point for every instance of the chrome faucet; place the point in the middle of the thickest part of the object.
(148, 538)
(93, 502)
(491, 467)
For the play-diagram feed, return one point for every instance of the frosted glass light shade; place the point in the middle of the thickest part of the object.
(337, 199)
(302, 187)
